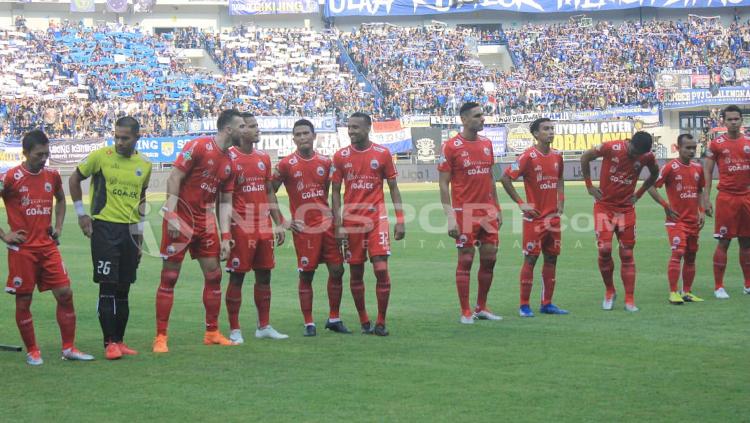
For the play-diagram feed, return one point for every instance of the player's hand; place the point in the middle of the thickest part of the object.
(499, 217)
(85, 223)
(295, 226)
(340, 234)
(596, 193)
(399, 231)
(701, 220)
(226, 248)
(173, 228)
(279, 234)
(54, 234)
(633, 199)
(671, 214)
(15, 237)
(453, 228)
(709, 210)
(529, 211)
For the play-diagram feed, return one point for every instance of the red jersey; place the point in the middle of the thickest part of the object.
(362, 173)
(28, 202)
(683, 183)
(470, 165)
(619, 174)
(208, 170)
(733, 158)
(306, 182)
(250, 173)
(541, 174)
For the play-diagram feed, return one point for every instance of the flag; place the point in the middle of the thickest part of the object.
(82, 6)
(143, 6)
(117, 6)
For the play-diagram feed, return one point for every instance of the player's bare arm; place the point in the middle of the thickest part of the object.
(59, 213)
(671, 214)
(701, 211)
(527, 209)
(336, 211)
(174, 182)
(445, 198)
(708, 173)
(225, 224)
(275, 184)
(653, 169)
(76, 194)
(399, 231)
(587, 157)
(493, 191)
(280, 225)
(561, 193)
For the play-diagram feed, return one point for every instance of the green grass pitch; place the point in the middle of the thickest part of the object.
(665, 363)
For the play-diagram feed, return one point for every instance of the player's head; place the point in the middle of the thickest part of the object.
(732, 117)
(127, 132)
(358, 126)
(472, 116)
(543, 130)
(230, 126)
(251, 131)
(640, 144)
(686, 146)
(35, 146)
(303, 133)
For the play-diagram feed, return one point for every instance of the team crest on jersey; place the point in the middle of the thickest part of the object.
(486, 151)
(530, 246)
(374, 164)
(170, 249)
(236, 262)
(616, 147)
(321, 171)
(304, 261)
(17, 281)
(138, 172)
(676, 242)
(533, 155)
(18, 175)
(293, 161)
(675, 165)
(345, 152)
(261, 166)
(227, 170)
(209, 147)
(463, 238)
(47, 187)
(723, 230)
(696, 176)
(746, 149)
(458, 143)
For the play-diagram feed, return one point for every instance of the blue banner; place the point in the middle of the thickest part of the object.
(692, 98)
(272, 7)
(336, 8)
(160, 149)
(499, 137)
(268, 124)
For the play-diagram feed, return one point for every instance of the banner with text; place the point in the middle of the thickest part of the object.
(426, 144)
(267, 124)
(69, 153)
(573, 136)
(11, 155)
(272, 7)
(693, 98)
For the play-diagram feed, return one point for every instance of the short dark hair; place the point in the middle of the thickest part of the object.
(642, 142)
(364, 116)
(730, 108)
(682, 137)
(537, 123)
(467, 106)
(225, 117)
(130, 123)
(33, 138)
(247, 115)
(304, 122)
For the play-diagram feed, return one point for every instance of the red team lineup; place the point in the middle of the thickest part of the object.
(221, 207)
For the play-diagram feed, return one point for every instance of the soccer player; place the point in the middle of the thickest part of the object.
(684, 182)
(467, 191)
(118, 191)
(306, 177)
(362, 226)
(33, 256)
(542, 171)
(202, 169)
(614, 206)
(253, 201)
(731, 152)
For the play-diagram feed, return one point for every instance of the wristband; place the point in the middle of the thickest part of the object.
(226, 236)
(79, 208)
(588, 183)
(400, 217)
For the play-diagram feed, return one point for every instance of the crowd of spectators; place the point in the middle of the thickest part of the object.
(75, 81)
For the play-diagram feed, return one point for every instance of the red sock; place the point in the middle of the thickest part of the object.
(306, 300)
(262, 295)
(720, 265)
(463, 273)
(688, 272)
(233, 300)
(165, 299)
(548, 278)
(335, 288)
(357, 285)
(673, 269)
(607, 268)
(484, 277)
(25, 322)
(382, 289)
(745, 264)
(66, 319)
(212, 299)
(627, 273)
(527, 281)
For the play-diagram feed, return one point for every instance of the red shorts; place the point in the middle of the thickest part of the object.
(609, 222)
(542, 236)
(477, 230)
(683, 237)
(201, 240)
(372, 239)
(315, 248)
(251, 251)
(732, 216)
(42, 267)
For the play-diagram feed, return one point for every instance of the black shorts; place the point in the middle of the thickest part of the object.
(114, 252)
